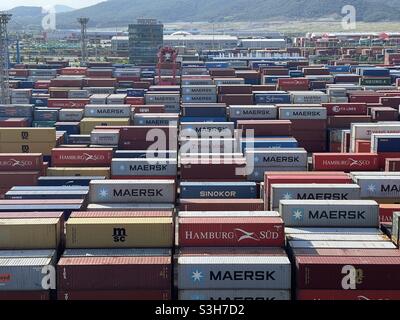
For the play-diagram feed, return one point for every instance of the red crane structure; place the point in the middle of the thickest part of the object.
(167, 61)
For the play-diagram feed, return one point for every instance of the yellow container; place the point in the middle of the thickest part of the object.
(27, 135)
(88, 124)
(62, 171)
(119, 232)
(30, 147)
(39, 233)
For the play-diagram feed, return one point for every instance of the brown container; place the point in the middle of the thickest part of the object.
(235, 99)
(317, 135)
(212, 171)
(344, 122)
(384, 114)
(18, 178)
(235, 89)
(141, 295)
(313, 146)
(222, 72)
(14, 122)
(308, 125)
(221, 205)
(266, 127)
(264, 87)
(381, 273)
(24, 295)
(114, 273)
(392, 164)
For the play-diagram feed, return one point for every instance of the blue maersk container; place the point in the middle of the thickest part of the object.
(135, 92)
(271, 98)
(388, 144)
(67, 181)
(218, 190)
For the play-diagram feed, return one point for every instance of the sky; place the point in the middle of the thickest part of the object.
(6, 5)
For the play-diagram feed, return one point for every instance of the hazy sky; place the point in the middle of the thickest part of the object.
(5, 5)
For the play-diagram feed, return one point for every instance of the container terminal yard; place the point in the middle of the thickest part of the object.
(152, 166)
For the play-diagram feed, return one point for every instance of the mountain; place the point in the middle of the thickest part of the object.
(122, 12)
(61, 8)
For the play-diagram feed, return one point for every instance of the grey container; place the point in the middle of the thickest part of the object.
(27, 253)
(199, 90)
(337, 237)
(70, 114)
(156, 119)
(374, 187)
(25, 273)
(99, 98)
(350, 231)
(162, 98)
(253, 112)
(277, 158)
(330, 213)
(235, 295)
(78, 94)
(219, 129)
(199, 98)
(303, 113)
(144, 167)
(104, 137)
(312, 192)
(108, 111)
(132, 191)
(234, 272)
(341, 245)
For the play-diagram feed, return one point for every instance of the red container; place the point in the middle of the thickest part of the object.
(274, 71)
(18, 72)
(96, 73)
(221, 205)
(141, 295)
(363, 146)
(392, 164)
(111, 273)
(14, 122)
(365, 98)
(231, 232)
(303, 135)
(235, 99)
(386, 212)
(212, 171)
(235, 89)
(68, 103)
(42, 84)
(58, 94)
(393, 102)
(315, 71)
(372, 273)
(21, 161)
(24, 295)
(222, 72)
(18, 178)
(81, 157)
(264, 128)
(148, 109)
(140, 133)
(66, 83)
(120, 214)
(308, 125)
(344, 122)
(384, 114)
(81, 71)
(348, 295)
(100, 82)
(345, 161)
(264, 87)
(387, 155)
(293, 84)
(335, 109)
(135, 101)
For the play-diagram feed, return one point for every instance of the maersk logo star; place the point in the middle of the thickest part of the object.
(298, 214)
(122, 167)
(287, 113)
(92, 111)
(371, 188)
(287, 196)
(103, 193)
(197, 275)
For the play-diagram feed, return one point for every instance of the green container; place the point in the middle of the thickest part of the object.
(375, 81)
(43, 124)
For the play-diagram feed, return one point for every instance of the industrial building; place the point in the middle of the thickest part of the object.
(145, 39)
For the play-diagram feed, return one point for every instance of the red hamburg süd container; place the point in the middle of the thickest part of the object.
(21, 162)
(336, 109)
(345, 161)
(114, 273)
(141, 295)
(264, 128)
(392, 164)
(348, 295)
(221, 205)
(68, 103)
(293, 84)
(386, 211)
(81, 157)
(231, 232)
(371, 273)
